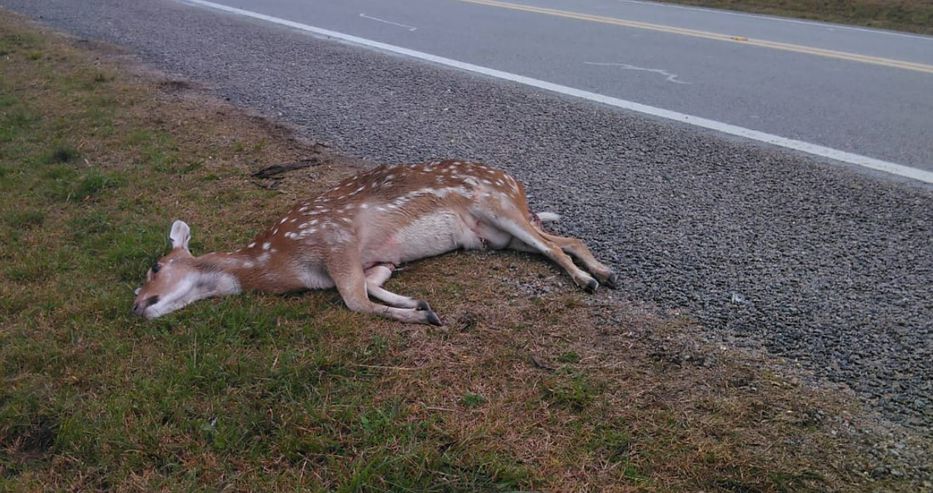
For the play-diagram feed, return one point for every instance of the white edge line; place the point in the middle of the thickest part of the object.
(817, 150)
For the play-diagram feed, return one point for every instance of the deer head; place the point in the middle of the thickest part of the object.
(179, 278)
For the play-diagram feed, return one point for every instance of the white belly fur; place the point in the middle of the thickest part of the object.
(430, 235)
(315, 278)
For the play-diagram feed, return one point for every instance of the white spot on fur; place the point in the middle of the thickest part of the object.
(266, 245)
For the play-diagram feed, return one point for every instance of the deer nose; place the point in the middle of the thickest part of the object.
(139, 308)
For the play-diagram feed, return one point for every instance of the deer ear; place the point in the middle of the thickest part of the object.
(180, 235)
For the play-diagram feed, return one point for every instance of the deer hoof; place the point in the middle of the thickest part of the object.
(423, 306)
(433, 319)
(591, 286)
(612, 282)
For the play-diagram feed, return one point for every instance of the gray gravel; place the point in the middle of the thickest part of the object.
(819, 263)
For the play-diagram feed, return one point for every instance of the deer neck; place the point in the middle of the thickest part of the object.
(224, 273)
(249, 270)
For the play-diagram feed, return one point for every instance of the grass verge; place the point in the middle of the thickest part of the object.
(532, 384)
(914, 16)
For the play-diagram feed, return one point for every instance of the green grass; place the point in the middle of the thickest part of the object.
(612, 442)
(276, 383)
(24, 219)
(569, 357)
(60, 154)
(571, 389)
(472, 400)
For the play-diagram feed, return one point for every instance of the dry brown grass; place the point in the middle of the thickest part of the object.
(531, 384)
(601, 394)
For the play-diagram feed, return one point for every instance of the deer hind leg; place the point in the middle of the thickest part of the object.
(577, 249)
(376, 276)
(348, 275)
(527, 238)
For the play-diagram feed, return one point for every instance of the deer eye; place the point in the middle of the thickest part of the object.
(155, 267)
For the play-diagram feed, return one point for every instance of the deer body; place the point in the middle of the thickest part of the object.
(354, 235)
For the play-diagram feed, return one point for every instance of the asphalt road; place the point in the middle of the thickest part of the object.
(815, 262)
(874, 110)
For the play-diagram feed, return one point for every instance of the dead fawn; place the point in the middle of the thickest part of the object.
(355, 235)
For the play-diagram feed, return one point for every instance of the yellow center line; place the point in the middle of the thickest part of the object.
(841, 55)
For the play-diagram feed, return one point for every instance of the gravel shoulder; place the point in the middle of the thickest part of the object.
(826, 266)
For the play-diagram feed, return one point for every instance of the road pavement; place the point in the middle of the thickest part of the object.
(830, 92)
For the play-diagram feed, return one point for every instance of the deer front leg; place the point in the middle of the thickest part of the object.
(347, 274)
(379, 274)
